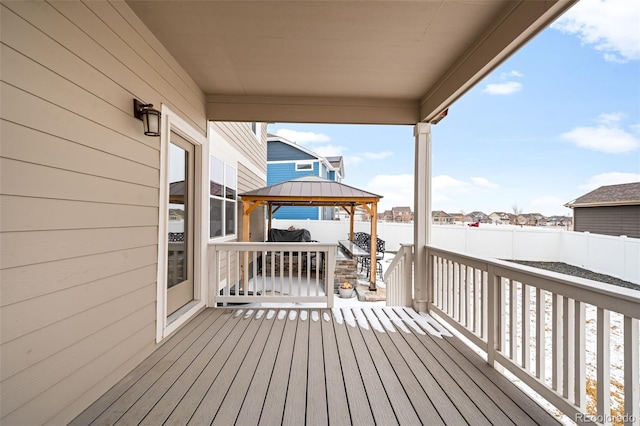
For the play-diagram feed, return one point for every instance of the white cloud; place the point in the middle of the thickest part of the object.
(610, 26)
(350, 160)
(610, 118)
(503, 88)
(447, 183)
(329, 150)
(397, 190)
(480, 181)
(302, 137)
(607, 137)
(613, 178)
(446, 188)
(510, 74)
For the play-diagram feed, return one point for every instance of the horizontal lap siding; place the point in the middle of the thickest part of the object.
(610, 220)
(79, 200)
(242, 138)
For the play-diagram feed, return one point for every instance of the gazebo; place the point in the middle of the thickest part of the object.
(313, 191)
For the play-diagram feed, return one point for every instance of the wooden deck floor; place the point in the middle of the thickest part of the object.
(379, 366)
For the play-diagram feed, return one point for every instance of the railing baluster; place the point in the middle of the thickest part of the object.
(525, 338)
(318, 282)
(631, 372)
(466, 308)
(440, 283)
(471, 299)
(603, 362)
(540, 334)
(273, 272)
(580, 381)
(456, 290)
(484, 305)
(568, 358)
(513, 323)
(502, 313)
(556, 342)
(445, 283)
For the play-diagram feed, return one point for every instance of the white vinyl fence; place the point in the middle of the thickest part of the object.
(615, 256)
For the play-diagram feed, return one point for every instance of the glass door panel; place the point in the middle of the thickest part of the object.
(181, 218)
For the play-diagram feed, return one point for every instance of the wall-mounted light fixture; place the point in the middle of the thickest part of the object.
(150, 117)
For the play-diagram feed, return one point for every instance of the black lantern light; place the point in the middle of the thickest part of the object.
(150, 117)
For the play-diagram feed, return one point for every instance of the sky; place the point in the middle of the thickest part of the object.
(557, 120)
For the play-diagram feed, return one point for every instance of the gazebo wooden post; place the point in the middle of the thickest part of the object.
(246, 220)
(246, 223)
(374, 247)
(270, 208)
(352, 212)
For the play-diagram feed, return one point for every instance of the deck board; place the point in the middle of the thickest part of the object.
(105, 404)
(336, 387)
(273, 408)
(250, 366)
(316, 389)
(359, 406)
(296, 403)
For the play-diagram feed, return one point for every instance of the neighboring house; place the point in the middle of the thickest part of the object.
(458, 217)
(386, 216)
(287, 160)
(337, 174)
(531, 219)
(402, 214)
(441, 218)
(502, 218)
(477, 216)
(564, 221)
(608, 210)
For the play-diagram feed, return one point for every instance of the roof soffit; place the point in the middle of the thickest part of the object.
(361, 62)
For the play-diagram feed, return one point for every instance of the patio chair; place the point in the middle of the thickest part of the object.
(380, 248)
(362, 240)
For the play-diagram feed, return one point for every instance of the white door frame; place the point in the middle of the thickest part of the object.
(171, 122)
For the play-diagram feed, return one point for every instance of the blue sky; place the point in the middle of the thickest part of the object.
(558, 119)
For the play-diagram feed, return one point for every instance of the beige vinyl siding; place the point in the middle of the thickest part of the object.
(242, 138)
(79, 190)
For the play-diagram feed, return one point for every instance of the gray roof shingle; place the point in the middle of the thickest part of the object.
(610, 195)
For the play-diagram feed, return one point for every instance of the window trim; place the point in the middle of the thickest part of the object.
(225, 167)
(299, 165)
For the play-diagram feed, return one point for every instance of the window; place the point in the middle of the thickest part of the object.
(256, 128)
(303, 166)
(223, 182)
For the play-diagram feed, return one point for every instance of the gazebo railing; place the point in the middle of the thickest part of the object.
(247, 272)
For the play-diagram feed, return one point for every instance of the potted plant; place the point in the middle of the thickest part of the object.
(345, 290)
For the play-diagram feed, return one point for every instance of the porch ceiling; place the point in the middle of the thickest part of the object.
(377, 62)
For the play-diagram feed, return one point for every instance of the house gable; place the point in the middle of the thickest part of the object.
(280, 151)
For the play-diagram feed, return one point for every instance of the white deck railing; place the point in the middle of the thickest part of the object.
(566, 338)
(271, 273)
(398, 277)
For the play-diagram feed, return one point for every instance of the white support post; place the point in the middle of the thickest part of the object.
(422, 214)
(494, 316)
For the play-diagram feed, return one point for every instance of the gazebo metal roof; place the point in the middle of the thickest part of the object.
(313, 191)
